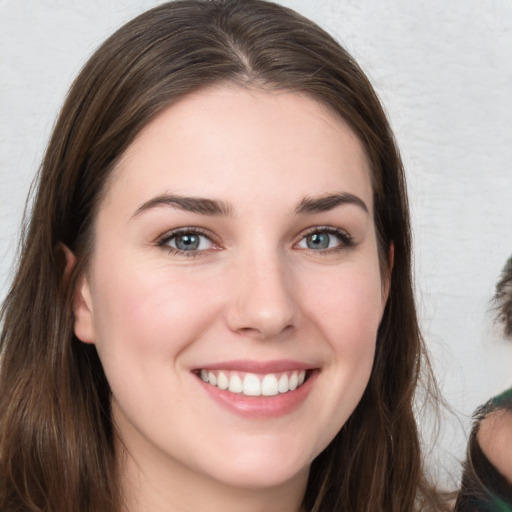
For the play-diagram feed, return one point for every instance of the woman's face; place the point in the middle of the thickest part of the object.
(235, 257)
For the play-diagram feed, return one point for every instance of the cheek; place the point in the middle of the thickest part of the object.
(143, 325)
(348, 307)
(150, 312)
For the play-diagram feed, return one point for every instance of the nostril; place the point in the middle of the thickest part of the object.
(266, 331)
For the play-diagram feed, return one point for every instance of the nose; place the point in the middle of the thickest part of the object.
(262, 303)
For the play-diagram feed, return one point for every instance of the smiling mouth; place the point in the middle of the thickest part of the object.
(252, 384)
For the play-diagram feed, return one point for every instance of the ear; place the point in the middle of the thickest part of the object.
(67, 260)
(391, 257)
(84, 314)
(82, 300)
(386, 285)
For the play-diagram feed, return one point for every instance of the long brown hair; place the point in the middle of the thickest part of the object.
(56, 436)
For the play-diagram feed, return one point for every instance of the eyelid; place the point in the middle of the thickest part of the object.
(163, 239)
(346, 240)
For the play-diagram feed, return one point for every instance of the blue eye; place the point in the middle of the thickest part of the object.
(318, 241)
(186, 241)
(325, 239)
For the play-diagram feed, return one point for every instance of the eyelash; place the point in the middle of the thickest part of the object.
(192, 231)
(346, 240)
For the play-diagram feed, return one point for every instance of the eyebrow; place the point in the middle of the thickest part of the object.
(329, 202)
(204, 206)
(198, 205)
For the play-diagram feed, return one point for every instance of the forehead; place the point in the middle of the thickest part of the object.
(233, 141)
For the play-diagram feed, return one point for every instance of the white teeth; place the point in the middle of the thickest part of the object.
(282, 386)
(269, 385)
(212, 379)
(235, 384)
(294, 381)
(251, 384)
(222, 381)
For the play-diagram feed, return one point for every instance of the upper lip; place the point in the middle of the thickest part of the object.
(262, 367)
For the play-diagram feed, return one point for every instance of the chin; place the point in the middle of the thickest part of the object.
(259, 479)
(262, 469)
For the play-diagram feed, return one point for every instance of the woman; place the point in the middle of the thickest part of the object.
(213, 307)
(487, 478)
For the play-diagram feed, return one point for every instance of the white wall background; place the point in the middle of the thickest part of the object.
(444, 71)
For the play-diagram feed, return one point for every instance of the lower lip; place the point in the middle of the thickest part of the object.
(261, 406)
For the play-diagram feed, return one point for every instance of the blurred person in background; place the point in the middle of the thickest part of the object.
(487, 478)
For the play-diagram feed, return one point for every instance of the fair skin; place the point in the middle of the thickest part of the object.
(272, 279)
